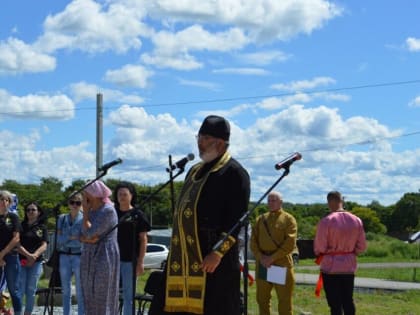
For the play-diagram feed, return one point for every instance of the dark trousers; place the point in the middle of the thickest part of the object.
(339, 291)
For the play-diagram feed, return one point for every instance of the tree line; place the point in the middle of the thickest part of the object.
(399, 219)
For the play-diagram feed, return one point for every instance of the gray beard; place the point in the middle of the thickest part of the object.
(209, 156)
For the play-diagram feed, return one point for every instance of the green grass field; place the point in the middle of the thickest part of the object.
(367, 303)
(382, 249)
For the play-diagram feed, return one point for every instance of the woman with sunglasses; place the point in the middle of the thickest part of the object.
(33, 243)
(70, 248)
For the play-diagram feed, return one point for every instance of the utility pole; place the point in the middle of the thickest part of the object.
(99, 132)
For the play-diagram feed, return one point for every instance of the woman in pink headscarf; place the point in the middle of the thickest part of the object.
(100, 259)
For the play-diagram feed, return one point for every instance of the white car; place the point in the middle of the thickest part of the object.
(156, 255)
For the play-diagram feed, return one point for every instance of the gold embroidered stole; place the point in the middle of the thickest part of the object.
(186, 281)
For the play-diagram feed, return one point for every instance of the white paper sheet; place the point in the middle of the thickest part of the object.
(276, 274)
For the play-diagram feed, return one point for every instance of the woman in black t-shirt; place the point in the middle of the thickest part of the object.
(9, 258)
(131, 253)
(33, 241)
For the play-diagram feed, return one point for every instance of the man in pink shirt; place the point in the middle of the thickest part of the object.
(340, 237)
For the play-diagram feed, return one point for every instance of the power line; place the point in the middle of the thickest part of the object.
(323, 148)
(241, 98)
(326, 148)
(231, 99)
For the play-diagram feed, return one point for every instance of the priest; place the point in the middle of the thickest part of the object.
(199, 277)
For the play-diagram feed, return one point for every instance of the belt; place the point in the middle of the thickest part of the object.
(268, 252)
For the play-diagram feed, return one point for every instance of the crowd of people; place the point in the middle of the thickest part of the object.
(101, 242)
(90, 242)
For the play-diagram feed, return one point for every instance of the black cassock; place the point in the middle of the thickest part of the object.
(223, 200)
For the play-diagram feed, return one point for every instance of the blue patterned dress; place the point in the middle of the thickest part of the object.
(100, 264)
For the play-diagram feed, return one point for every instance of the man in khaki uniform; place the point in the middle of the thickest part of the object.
(273, 240)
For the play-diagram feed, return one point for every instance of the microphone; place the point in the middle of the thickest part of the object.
(108, 165)
(288, 161)
(181, 163)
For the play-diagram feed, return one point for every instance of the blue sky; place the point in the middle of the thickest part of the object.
(337, 81)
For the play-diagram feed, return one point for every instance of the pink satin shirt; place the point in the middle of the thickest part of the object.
(340, 237)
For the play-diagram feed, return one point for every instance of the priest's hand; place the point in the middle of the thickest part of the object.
(210, 262)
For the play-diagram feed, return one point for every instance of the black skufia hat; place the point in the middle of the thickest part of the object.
(215, 126)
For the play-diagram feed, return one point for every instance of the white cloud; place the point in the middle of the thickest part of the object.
(84, 91)
(332, 96)
(129, 76)
(119, 26)
(22, 161)
(34, 106)
(17, 57)
(181, 61)
(171, 47)
(276, 103)
(303, 84)
(362, 172)
(202, 84)
(415, 102)
(327, 141)
(242, 71)
(96, 27)
(145, 139)
(264, 20)
(87, 26)
(244, 22)
(273, 103)
(263, 58)
(196, 38)
(413, 44)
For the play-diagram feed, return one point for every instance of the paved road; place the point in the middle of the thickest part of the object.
(365, 283)
(371, 266)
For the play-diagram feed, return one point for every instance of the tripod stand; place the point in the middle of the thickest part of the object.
(55, 275)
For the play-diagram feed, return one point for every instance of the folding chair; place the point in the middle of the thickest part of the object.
(153, 283)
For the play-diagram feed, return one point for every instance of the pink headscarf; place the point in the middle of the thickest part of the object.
(99, 190)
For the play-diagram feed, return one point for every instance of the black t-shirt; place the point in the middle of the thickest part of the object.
(125, 234)
(9, 223)
(33, 236)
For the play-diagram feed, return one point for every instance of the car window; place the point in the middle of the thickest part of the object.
(154, 248)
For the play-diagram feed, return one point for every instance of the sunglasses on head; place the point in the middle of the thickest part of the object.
(75, 202)
(31, 210)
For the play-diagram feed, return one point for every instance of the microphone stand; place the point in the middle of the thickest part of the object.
(133, 215)
(243, 222)
(49, 300)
